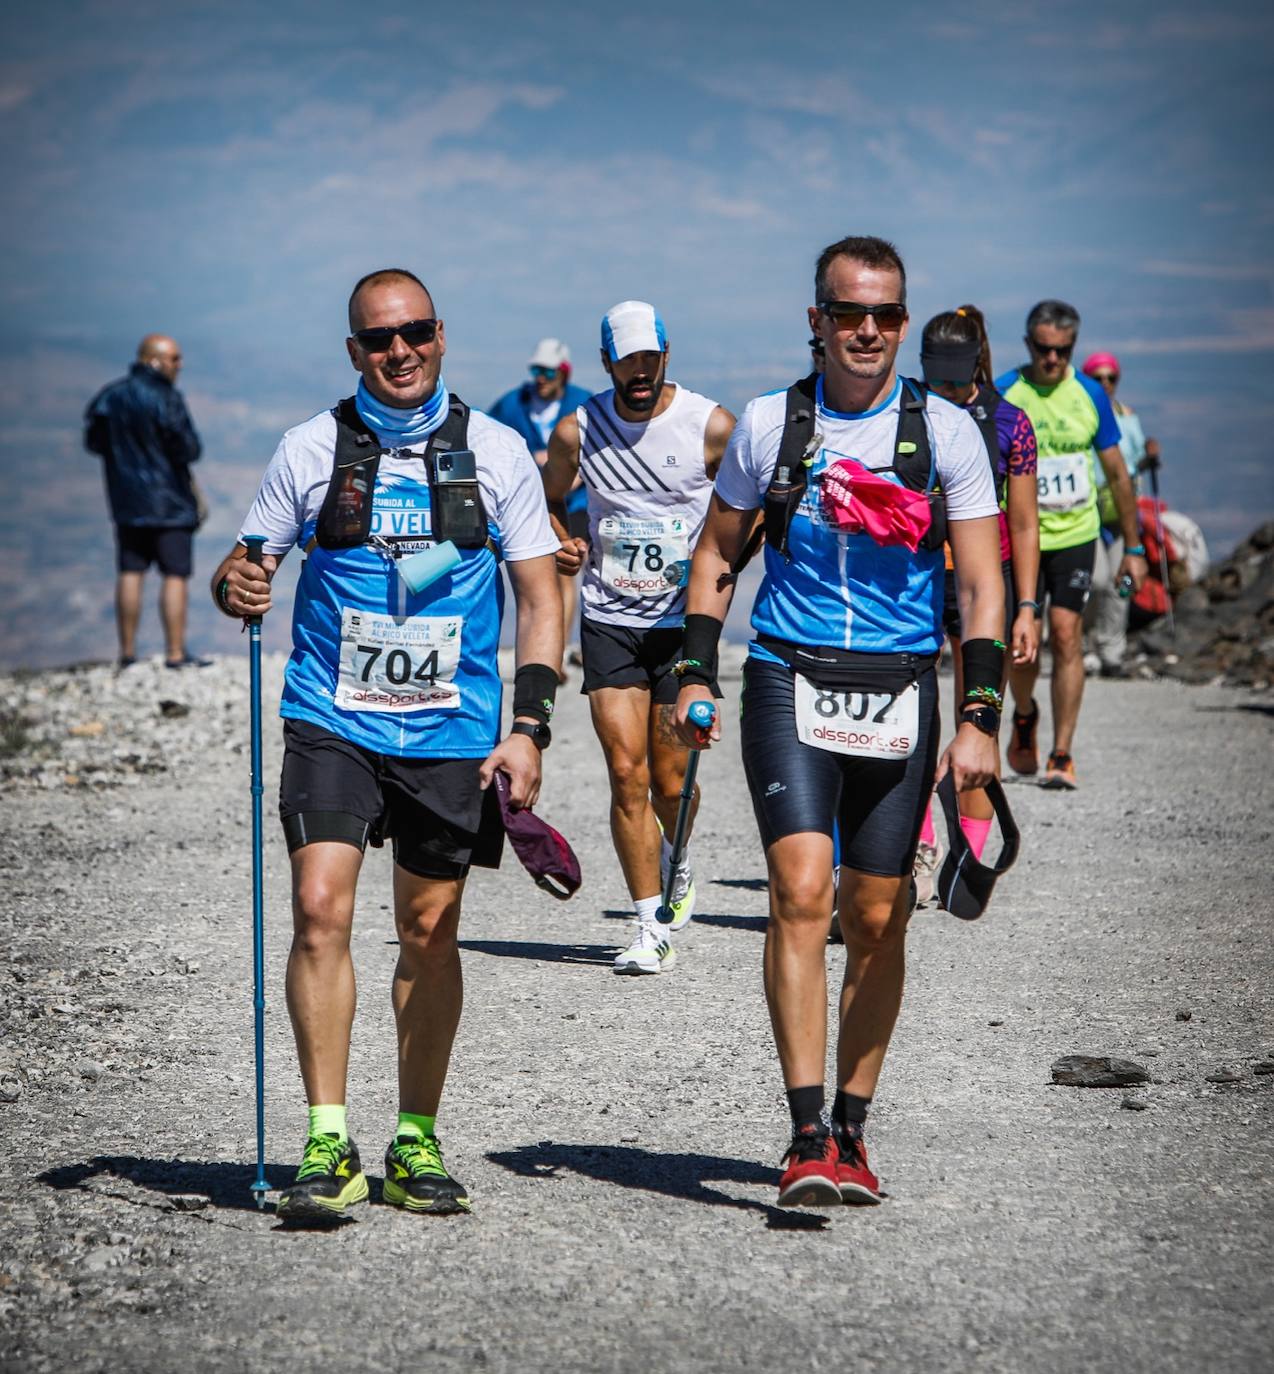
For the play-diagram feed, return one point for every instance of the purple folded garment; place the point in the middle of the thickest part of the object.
(543, 852)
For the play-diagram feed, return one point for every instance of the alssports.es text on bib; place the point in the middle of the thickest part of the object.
(393, 663)
(869, 725)
(646, 557)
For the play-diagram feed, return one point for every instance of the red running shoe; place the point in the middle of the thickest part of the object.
(809, 1180)
(858, 1185)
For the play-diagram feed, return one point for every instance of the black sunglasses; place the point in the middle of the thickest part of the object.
(1063, 351)
(851, 314)
(412, 333)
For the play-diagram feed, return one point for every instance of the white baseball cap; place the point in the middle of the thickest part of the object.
(632, 327)
(550, 353)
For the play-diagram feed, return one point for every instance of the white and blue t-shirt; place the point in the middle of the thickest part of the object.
(844, 590)
(414, 675)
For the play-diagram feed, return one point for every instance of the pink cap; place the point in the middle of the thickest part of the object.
(1101, 362)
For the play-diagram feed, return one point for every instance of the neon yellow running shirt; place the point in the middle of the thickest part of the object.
(1071, 420)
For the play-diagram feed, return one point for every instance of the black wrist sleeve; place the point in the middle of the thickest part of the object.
(699, 649)
(983, 661)
(534, 691)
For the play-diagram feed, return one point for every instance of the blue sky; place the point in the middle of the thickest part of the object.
(224, 172)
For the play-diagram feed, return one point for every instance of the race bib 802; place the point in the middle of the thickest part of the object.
(869, 725)
(393, 663)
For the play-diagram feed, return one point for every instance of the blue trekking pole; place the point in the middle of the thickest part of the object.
(255, 546)
(701, 715)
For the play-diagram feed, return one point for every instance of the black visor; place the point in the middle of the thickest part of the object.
(954, 363)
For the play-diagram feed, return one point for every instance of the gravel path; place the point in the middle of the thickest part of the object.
(620, 1136)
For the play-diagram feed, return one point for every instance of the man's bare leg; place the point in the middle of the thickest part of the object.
(1066, 636)
(428, 986)
(173, 596)
(320, 979)
(873, 917)
(128, 611)
(621, 717)
(668, 760)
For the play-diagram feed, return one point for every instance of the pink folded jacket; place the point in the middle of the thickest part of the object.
(857, 501)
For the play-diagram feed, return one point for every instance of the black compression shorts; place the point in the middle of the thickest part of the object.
(1066, 577)
(620, 656)
(879, 803)
(439, 819)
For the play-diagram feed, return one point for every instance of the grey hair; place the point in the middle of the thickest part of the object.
(1055, 314)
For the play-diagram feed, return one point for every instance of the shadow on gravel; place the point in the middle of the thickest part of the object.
(535, 949)
(680, 1176)
(752, 884)
(1256, 708)
(225, 1185)
(707, 918)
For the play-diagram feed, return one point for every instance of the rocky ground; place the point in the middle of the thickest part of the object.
(620, 1137)
(1223, 627)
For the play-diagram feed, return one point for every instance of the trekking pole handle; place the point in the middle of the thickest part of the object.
(255, 545)
(701, 715)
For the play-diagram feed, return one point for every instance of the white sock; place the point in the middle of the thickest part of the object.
(646, 909)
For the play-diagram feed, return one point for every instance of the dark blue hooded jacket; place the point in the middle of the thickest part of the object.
(141, 427)
(514, 409)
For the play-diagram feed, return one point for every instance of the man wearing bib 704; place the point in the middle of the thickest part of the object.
(391, 707)
(1072, 419)
(859, 477)
(648, 451)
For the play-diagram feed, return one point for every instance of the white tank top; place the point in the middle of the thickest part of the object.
(648, 492)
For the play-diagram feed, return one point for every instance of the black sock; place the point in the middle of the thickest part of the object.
(849, 1112)
(806, 1106)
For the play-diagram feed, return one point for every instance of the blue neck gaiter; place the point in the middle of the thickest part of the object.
(401, 428)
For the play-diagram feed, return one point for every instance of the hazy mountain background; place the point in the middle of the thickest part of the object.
(224, 172)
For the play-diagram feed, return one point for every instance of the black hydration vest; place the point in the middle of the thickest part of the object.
(913, 464)
(983, 412)
(345, 520)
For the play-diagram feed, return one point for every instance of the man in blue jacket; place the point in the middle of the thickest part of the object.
(140, 426)
(533, 409)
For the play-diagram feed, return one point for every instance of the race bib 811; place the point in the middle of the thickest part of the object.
(1062, 481)
(868, 725)
(393, 663)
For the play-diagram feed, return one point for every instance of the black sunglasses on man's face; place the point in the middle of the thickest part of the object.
(851, 314)
(1063, 351)
(413, 333)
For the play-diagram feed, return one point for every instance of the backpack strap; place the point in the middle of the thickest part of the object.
(345, 519)
(983, 412)
(914, 462)
(790, 477)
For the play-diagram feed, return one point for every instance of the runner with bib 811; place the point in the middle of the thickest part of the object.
(860, 476)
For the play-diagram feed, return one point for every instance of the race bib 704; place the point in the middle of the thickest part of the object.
(398, 663)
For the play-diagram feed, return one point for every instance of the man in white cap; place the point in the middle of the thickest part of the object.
(533, 409)
(648, 451)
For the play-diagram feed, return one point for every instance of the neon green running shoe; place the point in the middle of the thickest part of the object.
(417, 1179)
(329, 1180)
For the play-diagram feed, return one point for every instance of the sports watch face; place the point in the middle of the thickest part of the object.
(986, 718)
(540, 735)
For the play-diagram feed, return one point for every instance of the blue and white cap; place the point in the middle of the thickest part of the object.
(632, 327)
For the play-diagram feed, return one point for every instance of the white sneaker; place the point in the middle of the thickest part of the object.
(683, 890)
(925, 870)
(650, 952)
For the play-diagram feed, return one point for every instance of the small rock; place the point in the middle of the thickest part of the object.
(173, 710)
(90, 1069)
(995, 1023)
(1225, 1074)
(10, 1089)
(98, 1260)
(88, 729)
(1184, 1014)
(189, 1202)
(1265, 1066)
(1134, 1104)
(1097, 1071)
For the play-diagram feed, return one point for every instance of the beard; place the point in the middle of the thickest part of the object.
(646, 402)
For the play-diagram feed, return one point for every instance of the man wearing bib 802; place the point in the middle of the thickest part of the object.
(1072, 419)
(648, 450)
(391, 707)
(839, 717)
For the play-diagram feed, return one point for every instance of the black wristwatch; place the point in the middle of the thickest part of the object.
(986, 718)
(540, 735)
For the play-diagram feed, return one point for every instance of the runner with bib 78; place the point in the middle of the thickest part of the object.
(860, 476)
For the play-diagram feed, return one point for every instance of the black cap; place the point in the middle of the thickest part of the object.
(949, 362)
(965, 883)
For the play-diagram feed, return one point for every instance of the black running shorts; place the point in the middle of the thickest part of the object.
(439, 819)
(619, 656)
(879, 803)
(951, 604)
(1066, 577)
(138, 546)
